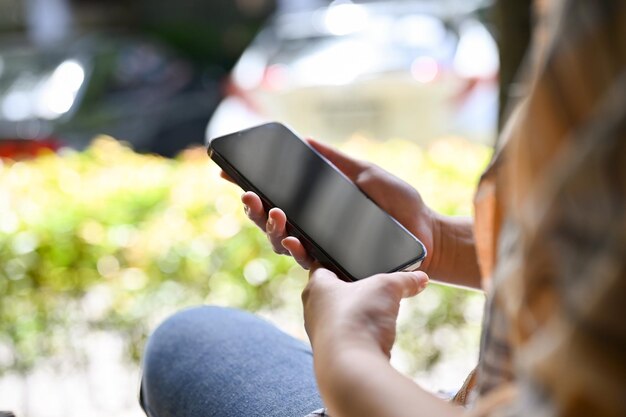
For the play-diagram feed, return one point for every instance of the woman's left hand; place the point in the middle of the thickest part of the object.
(359, 314)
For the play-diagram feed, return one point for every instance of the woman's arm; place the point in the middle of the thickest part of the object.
(361, 382)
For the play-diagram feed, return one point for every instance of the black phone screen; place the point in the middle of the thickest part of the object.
(345, 227)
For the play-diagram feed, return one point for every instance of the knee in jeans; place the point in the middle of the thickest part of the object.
(184, 325)
(179, 339)
(193, 316)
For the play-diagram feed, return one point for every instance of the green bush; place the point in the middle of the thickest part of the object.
(110, 239)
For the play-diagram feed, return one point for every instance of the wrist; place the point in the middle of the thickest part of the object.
(363, 383)
(336, 361)
(432, 263)
(453, 259)
(333, 340)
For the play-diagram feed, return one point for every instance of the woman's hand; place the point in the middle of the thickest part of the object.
(352, 327)
(362, 314)
(393, 195)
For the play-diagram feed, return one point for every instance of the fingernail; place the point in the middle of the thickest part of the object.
(270, 225)
(246, 209)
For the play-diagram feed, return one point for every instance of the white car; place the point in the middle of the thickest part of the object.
(409, 69)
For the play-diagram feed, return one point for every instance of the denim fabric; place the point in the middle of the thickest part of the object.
(212, 361)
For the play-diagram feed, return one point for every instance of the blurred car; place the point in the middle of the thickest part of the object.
(128, 87)
(411, 69)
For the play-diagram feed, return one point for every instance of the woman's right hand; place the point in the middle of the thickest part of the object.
(392, 194)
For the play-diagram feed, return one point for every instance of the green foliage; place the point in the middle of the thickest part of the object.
(110, 239)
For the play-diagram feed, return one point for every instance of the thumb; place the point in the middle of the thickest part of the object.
(407, 284)
(349, 166)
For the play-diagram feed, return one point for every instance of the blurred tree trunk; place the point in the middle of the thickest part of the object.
(513, 19)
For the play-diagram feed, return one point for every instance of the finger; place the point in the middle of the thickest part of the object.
(315, 266)
(227, 177)
(321, 275)
(320, 279)
(297, 251)
(275, 228)
(405, 284)
(349, 166)
(253, 207)
(318, 275)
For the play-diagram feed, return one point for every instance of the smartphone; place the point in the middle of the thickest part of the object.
(335, 221)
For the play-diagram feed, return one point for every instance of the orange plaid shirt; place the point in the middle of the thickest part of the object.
(551, 229)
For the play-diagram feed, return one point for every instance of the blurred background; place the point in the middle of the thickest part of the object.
(112, 216)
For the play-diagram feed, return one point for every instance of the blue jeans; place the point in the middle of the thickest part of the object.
(212, 361)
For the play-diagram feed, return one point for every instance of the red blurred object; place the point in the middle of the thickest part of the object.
(27, 148)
